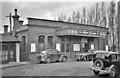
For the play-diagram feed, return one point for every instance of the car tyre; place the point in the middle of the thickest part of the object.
(99, 63)
(63, 59)
(112, 72)
(96, 72)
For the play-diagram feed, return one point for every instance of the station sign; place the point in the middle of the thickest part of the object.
(88, 32)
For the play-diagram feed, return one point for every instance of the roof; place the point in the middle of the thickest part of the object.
(8, 38)
(22, 28)
(29, 18)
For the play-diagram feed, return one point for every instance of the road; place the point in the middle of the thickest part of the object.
(52, 69)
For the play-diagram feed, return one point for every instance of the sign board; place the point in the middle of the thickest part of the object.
(76, 47)
(33, 47)
(58, 47)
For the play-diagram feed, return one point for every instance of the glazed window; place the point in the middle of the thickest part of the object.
(23, 40)
(41, 39)
(62, 47)
(50, 42)
(114, 57)
(67, 47)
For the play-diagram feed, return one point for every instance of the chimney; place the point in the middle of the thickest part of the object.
(16, 23)
(21, 22)
(5, 29)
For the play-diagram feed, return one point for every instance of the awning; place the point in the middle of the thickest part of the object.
(79, 32)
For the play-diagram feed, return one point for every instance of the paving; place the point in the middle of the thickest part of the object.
(12, 64)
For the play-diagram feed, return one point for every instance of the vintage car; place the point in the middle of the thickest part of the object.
(51, 55)
(106, 62)
(85, 56)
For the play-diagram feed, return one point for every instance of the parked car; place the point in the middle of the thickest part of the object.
(85, 56)
(51, 55)
(106, 62)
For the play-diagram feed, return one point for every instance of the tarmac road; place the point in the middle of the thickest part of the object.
(52, 69)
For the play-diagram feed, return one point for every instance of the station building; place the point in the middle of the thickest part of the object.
(69, 38)
(9, 47)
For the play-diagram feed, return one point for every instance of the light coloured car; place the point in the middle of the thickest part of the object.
(51, 55)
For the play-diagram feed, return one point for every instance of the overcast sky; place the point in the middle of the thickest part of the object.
(46, 9)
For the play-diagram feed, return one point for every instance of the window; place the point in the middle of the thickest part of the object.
(23, 40)
(113, 57)
(62, 47)
(5, 53)
(50, 42)
(67, 47)
(41, 39)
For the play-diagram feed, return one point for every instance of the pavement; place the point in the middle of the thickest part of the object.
(12, 64)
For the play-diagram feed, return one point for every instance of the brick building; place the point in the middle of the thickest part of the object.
(69, 38)
(9, 47)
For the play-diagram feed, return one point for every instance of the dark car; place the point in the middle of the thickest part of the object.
(106, 62)
(85, 56)
(51, 55)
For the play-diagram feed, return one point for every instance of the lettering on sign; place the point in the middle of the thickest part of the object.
(88, 32)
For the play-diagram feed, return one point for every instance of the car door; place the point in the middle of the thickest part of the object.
(55, 55)
(50, 55)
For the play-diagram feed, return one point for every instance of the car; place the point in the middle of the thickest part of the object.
(51, 55)
(85, 56)
(106, 62)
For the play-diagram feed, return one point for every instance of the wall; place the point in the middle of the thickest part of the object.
(34, 32)
(24, 54)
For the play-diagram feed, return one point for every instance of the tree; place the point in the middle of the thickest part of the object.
(111, 23)
(103, 20)
(83, 16)
(91, 17)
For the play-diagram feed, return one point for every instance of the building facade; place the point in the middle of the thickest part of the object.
(69, 38)
(9, 47)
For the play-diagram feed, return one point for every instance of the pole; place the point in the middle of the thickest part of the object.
(10, 20)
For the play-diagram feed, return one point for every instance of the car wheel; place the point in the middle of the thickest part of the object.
(99, 63)
(112, 72)
(63, 59)
(96, 72)
(48, 60)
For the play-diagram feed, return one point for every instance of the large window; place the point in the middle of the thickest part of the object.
(62, 47)
(50, 42)
(41, 39)
(67, 47)
(41, 42)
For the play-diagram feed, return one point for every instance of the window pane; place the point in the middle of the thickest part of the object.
(50, 42)
(67, 47)
(41, 39)
(62, 47)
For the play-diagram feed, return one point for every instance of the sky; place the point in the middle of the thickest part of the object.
(43, 9)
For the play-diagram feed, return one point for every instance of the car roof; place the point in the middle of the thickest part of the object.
(49, 49)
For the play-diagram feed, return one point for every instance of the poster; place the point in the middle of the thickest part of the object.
(76, 47)
(58, 47)
(33, 47)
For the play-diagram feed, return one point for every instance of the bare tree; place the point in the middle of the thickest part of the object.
(111, 23)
